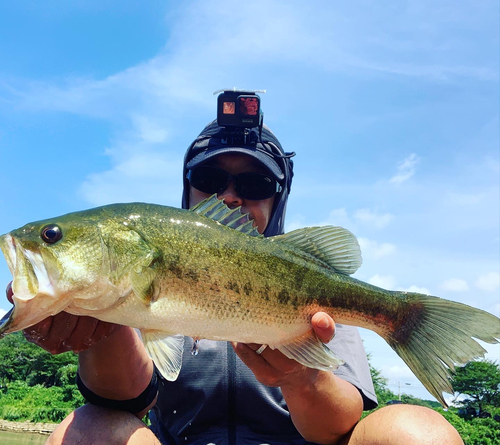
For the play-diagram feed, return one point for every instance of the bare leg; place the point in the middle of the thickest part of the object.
(403, 425)
(93, 425)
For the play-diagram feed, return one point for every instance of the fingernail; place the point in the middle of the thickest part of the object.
(323, 323)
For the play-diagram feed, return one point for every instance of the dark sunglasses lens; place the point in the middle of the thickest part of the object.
(255, 186)
(208, 179)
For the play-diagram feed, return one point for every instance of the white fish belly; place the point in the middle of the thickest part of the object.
(206, 319)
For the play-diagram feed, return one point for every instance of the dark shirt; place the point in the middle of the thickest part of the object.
(217, 399)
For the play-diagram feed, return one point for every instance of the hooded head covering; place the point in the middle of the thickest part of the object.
(262, 145)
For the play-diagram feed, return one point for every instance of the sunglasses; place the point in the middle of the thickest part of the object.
(250, 185)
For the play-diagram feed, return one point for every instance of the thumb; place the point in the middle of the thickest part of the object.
(10, 293)
(323, 326)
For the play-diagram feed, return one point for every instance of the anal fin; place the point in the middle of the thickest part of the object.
(310, 351)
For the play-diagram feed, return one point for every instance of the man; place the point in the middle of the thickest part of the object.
(230, 394)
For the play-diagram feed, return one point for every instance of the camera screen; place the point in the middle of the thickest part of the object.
(248, 106)
(239, 109)
(228, 108)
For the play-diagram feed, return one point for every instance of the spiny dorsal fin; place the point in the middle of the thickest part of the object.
(215, 209)
(335, 246)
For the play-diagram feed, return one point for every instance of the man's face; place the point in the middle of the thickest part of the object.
(235, 163)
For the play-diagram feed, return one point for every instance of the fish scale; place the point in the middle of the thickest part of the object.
(207, 273)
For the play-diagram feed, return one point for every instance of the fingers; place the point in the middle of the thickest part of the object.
(104, 330)
(248, 355)
(87, 332)
(38, 331)
(324, 326)
(66, 332)
(263, 371)
(82, 334)
(271, 367)
(52, 333)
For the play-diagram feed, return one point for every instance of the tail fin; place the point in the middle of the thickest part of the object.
(441, 338)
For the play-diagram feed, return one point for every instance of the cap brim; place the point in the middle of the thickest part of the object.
(267, 162)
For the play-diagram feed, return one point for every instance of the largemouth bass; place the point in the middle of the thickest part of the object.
(207, 273)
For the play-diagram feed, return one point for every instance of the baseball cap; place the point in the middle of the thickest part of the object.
(214, 141)
(260, 144)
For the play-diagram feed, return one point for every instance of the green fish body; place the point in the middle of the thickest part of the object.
(207, 273)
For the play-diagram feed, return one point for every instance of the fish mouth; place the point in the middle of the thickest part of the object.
(33, 293)
(30, 275)
(8, 248)
(23, 266)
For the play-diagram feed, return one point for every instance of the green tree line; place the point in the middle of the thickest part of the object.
(34, 384)
(40, 387)
(476, 411)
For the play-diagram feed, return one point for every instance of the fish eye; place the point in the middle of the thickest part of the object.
(51, 234)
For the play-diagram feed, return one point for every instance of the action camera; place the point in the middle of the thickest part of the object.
(239, 109)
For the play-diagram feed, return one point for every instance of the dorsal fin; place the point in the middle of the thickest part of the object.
(215, 209)
(335, 246)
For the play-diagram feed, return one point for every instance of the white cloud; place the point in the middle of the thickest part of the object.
(406, 169)
(383, 281)
(373, 249)
(398, 373)
(297, 222)
(150, 99)
(145, 177)
(420, 290)
(2, 312)
(374, 219)
(489, 282)
(339, 217)
(149, 130)
(455, 285)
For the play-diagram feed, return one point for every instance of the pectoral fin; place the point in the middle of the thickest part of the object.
(310, 351)
(127, 252)
(142, 283)
(166, 352)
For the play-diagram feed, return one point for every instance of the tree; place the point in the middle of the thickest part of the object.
(21, 360)
(35, 385)
(16, 358)
(480, 383)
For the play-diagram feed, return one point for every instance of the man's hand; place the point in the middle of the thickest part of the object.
(66, 332)
(272, 368)
(322, 406)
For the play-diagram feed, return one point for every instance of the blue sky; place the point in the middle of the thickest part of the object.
(391, 107)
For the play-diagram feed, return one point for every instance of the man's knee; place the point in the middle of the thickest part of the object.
(96, 425)
(404, 425)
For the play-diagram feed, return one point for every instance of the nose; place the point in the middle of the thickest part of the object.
(231, 197)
